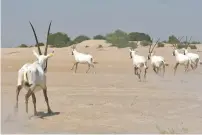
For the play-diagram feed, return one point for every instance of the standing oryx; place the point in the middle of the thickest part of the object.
(139, 62)
(156, 61)
(180, 58)
(195, 59)
(82, 59)
(32, 76)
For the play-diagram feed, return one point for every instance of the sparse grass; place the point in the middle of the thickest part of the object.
(170, 130)
(162, 131)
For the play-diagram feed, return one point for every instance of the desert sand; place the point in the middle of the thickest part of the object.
(110, 101)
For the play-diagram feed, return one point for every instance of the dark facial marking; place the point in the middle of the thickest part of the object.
(173, 53)
(131, 55)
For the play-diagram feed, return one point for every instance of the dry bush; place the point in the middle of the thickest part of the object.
(160, 44)
(100, 46)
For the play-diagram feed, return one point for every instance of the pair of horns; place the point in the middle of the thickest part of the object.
(188, 43)
(151, 50)
(73, 46)
(179, 39)
(37, 42)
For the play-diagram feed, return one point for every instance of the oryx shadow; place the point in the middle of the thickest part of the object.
(43, 115)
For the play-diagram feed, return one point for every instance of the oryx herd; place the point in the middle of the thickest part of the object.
(32, 76)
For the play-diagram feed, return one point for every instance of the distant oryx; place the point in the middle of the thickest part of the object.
(156, 61)
(181, 59)
(195, 58)
(82, 58)
(139, 62)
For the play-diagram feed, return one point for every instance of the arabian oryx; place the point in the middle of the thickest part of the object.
(32, 76)
(139, 62)
(180, 58)
(157, 62)
(82, 59)
(195, 58)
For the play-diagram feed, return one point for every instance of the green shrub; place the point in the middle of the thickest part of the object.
(118, 38)
(99, 37)
(195, 42)
(23, 46)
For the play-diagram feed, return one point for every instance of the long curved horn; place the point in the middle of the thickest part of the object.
(155, 44)
(179, 39)
(46, 47)
(37, 42)
(150, 45)
(188, 43)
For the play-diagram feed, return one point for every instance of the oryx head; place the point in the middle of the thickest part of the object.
(175, 46)
(132, 52)
(42, 58)
(151, 50)
(73, 49)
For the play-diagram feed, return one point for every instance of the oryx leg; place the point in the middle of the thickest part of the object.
(73, 66)
(175, 68)
(88, 68)
(145, 70)
(196, 63)
(157, 70)
(154, 68)
(34, 103)
(139, 74)
(163, 66)
(29, 93)
(135, 70)
(145, 73)
(76, 67)
(46, 99)
(92, 65)
(187, 66)
(18, 89)
(192, 67)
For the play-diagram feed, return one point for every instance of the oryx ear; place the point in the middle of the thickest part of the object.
(130, 49)
(50, 54)
(35, 53)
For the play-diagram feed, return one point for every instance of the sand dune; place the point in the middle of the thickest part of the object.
(111, 101)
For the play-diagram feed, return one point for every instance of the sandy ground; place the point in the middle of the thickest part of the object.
(111, 101)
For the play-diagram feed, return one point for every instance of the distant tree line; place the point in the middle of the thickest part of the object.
(117, 38)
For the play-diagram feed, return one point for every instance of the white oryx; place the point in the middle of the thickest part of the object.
(195, 58)
(139, 62)
(181, 59)
(32, 76)
(156, 61)
(82, 59)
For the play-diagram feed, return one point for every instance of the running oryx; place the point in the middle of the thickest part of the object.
(32, 76)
